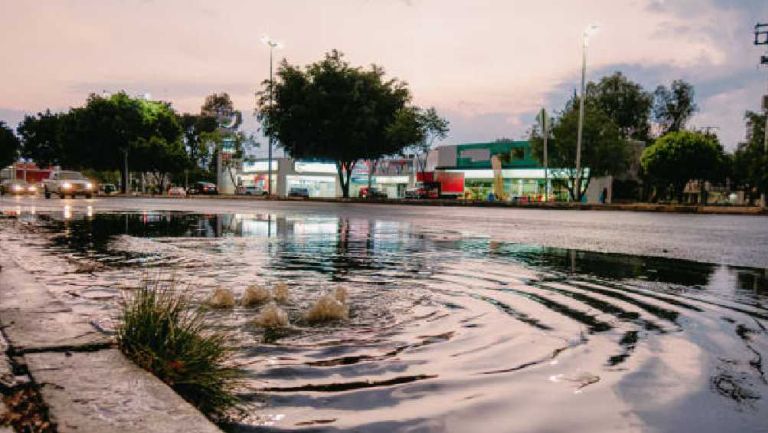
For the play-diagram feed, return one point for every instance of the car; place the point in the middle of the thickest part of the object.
(298, 192)
(108, 189)
(251, 190)
(203, 188)
(17, 187)
(177, 191)
(68, 183)
(372, 193)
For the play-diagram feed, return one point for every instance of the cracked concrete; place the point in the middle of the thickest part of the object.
(88, 385)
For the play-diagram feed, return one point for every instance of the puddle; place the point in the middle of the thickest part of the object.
(446, 332)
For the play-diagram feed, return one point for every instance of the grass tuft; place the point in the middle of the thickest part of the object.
(161, 330)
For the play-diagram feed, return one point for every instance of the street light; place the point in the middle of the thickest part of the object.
(266, 40)
(589, 31)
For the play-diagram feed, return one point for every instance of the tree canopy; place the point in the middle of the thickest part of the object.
(604, 151)
(331, 110)
(625, 102)
(105, 134)
(750, 160)
(674, 106)
(41, 138)
(681, 156)
(9, 145)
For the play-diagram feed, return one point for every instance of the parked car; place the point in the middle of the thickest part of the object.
(251, 190)
(177, 191)
(17, 187)
(204, 188)
(68, 183)
(298, 192)
(424, 190)
(107, 189)
(372, 193)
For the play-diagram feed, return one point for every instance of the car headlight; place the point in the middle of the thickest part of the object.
(88, 185)
(31, 189)
(66, 185)
(17, 187)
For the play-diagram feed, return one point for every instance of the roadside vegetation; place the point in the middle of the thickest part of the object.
(161, 330)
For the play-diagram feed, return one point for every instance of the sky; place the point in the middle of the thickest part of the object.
(487, 65)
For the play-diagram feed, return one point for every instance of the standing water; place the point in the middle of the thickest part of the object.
(446, 332)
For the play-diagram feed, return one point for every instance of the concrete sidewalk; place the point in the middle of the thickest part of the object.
(88, 385)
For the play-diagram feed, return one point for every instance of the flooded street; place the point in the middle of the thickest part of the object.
(461, 319)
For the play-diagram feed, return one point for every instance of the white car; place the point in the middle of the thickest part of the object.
(68, 183)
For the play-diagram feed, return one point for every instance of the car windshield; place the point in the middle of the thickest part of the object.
(71, 175)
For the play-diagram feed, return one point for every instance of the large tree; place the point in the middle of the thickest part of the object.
(679, 157)
(750, 160)
(625, 102)
(9, 145)
(604, 151)
(118, 132)
(674, 106)
(41, 138)
(331, 110)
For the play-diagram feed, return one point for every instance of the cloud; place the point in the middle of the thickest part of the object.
(488, 64)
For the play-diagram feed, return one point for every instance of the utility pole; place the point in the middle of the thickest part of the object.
(544, 120)
(272, 45)
(761, 38)
(585, 42)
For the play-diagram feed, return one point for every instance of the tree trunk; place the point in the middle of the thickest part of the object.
(344, 170)
(584, 185)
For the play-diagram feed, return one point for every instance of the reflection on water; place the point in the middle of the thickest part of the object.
(455, 333)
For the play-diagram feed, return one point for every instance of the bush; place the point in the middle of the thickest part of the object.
(162, 332)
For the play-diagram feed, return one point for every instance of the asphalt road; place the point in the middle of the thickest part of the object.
(740, 240)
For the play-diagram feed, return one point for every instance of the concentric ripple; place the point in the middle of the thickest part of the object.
(447, 332)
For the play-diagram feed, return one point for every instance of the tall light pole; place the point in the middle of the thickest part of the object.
(272, 45)
(585, 42)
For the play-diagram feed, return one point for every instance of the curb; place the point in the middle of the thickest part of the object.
(86, 384)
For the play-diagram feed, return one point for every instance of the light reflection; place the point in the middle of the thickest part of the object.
(89, 211)
(67, 212)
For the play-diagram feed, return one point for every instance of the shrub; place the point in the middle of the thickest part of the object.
(162, 332)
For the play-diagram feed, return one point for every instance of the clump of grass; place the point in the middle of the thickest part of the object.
(161, 330)
(222, 298)
(255, 295)
(272, 317)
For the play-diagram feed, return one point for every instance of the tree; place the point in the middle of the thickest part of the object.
(330, 110)
(674, 106)
(220, 107)
(41, 138)
(603, 152)
(750, 160)
(110, 131)
(625, 102)
(196, 129)
(679, 157)
(9, 145)
(432, 127)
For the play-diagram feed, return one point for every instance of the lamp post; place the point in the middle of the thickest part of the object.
(272, 45)
(585, 42)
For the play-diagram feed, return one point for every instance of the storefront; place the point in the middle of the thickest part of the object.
(517, 172)
(317, 177)
(391, 176)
